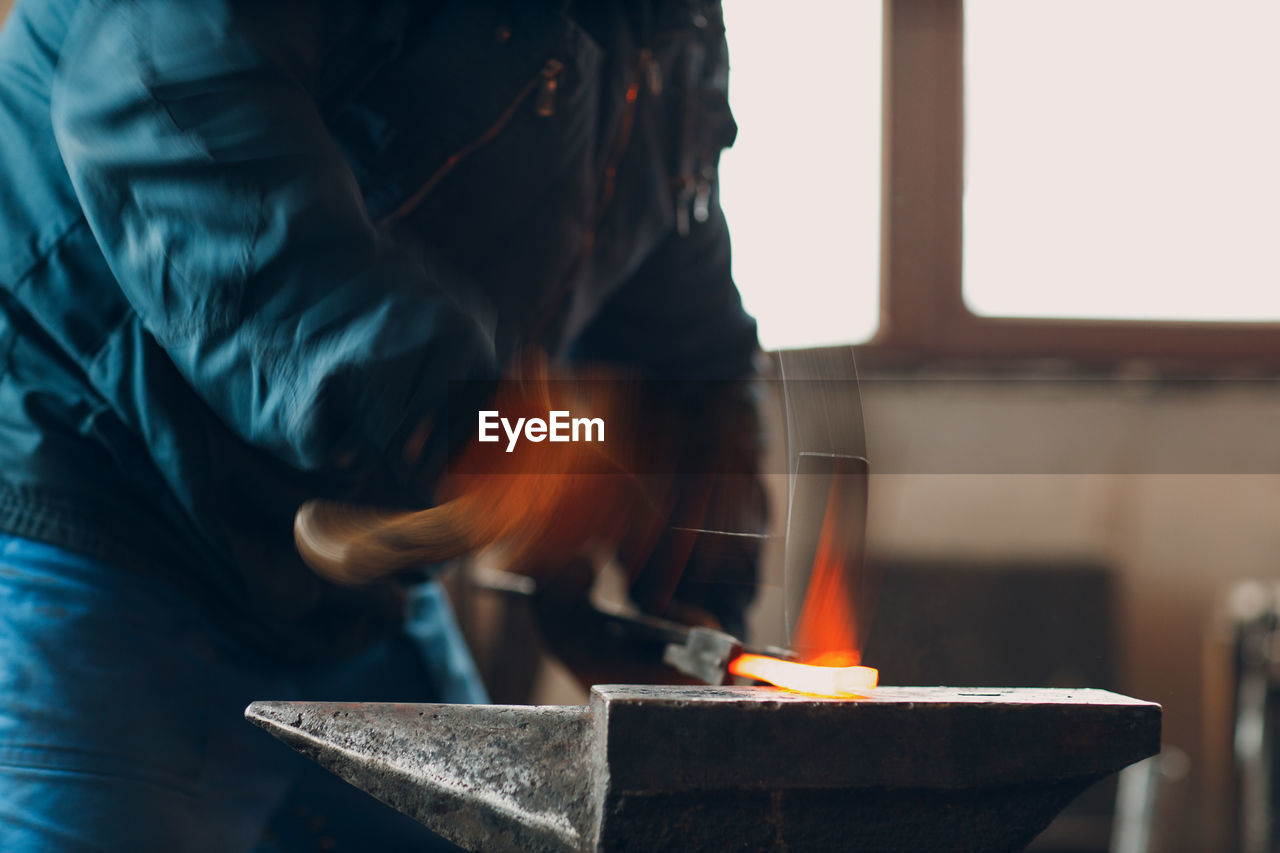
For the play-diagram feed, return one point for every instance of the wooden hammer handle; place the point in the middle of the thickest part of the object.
(353, 545)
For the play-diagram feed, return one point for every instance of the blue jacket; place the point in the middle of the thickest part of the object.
(245, 246)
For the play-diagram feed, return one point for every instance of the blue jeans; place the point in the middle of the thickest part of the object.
(122, 719)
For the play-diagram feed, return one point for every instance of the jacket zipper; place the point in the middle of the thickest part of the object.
(646, 68)
(644, 64)
(546, 82)
(547, 85)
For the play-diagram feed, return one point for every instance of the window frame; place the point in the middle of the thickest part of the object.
(923, 316)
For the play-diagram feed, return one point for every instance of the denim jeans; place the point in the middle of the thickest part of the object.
(122, 719)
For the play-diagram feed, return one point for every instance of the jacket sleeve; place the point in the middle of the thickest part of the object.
(235, 228)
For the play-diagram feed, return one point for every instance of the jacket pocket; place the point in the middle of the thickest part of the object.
(545, 84)
(474, 75)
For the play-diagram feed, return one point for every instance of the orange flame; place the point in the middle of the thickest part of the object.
(827, 631)
(828, 626)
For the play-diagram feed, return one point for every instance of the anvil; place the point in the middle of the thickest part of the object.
(644, 768)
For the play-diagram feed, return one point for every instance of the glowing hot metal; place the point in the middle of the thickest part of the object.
(834, 681)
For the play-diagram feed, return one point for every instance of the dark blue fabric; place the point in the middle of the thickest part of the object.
(245, 246)
(122, 727)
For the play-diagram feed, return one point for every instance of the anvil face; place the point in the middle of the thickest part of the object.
(742, 768)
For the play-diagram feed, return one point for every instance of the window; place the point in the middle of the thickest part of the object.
(1121, 159)
(801, 186)
(1120, 171)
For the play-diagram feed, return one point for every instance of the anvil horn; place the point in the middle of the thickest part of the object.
(485, 777)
